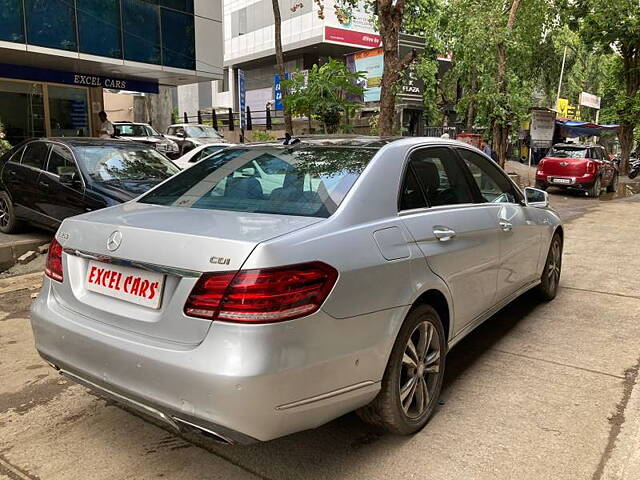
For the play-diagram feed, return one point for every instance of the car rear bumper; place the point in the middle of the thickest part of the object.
(242, 383)
(572, 181)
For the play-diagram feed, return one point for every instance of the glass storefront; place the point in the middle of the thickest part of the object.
(29, 109)
(68, 111)
(22, 110)
(123, 29)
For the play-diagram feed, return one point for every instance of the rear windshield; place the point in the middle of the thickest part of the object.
(305, 181)
(130, 130)
(568, 152)
(109, 164)
(202, 132)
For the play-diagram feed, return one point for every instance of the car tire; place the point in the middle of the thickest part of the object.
(550, 278)
(613, 186)
(595, 189)
(402, 407)
(8, 220)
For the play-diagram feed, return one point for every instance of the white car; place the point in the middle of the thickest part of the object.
(200, 152)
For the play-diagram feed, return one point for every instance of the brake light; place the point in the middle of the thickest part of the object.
(262, 295)
(541, 163)
(591, 167)
(53, 267)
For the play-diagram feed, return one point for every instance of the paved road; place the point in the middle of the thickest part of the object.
(540, 391)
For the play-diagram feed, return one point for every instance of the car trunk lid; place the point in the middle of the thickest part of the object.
(564, 166)
(170, 243)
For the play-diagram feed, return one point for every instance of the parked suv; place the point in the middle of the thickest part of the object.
(144, 133)
(583, 167)
(189, 136)
(44, 181)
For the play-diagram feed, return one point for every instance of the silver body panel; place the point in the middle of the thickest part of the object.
(265, 381)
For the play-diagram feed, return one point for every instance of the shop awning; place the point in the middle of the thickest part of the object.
(573, 128)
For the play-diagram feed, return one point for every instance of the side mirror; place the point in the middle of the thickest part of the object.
(534, 197)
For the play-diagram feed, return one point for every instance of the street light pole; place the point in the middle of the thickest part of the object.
(564, 59)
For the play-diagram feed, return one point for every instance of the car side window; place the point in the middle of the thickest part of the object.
(171, 131)
(61, 161)
(411, 196)
(440, 176)
(17, 156)
(35, 155)
(494, 186)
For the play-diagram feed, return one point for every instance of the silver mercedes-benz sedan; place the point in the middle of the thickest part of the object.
(269, 288)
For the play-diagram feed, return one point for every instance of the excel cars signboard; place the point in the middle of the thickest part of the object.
(22, 72)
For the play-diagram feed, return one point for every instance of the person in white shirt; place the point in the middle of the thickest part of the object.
(106, 127)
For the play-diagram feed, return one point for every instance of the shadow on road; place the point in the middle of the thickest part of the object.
(344, 446)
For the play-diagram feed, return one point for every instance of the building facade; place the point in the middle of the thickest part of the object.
(311, 32)
(57, 57)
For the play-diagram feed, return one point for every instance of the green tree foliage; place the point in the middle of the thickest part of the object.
(497, 48)
(326, 92)
(614, 26)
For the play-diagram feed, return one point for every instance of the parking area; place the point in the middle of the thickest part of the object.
(540, 391)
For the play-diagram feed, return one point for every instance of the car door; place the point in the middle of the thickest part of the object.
(458, 237)
(21, 179)
(62, 201)
(606, 166)
(520, 228)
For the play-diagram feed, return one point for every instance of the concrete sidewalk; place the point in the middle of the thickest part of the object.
(13, 246)
(540, 391)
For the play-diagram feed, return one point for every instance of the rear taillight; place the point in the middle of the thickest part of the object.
(53, 268)
(541, 163)
(591, 167)
(263, 295)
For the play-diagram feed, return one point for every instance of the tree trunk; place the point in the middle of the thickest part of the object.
(471, 108)
(390, 20)
(625, 135)
(277, 22)
(631, 73)
(501, 125)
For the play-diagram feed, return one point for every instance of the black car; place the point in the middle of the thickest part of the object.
(44, 181)
(144, 133)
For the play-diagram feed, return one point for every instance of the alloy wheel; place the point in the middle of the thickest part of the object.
(4, 213)
(419, 370)
(553, 267)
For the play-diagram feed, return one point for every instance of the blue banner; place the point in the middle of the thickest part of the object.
(34, 74)
(242, 98)
(278, 91)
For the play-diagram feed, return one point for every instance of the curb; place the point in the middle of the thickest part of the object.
(10, 252)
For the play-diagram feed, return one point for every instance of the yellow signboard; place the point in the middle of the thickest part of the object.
(566, 110)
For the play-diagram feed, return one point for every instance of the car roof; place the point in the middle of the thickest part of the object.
(359, 141)
(577, 145)
(92, 142)
(189, 125)
(121, 122)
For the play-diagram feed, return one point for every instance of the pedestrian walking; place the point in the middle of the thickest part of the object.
(486, 149)
(106, 127)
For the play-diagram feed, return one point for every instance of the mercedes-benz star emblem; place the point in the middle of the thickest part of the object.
(114, 241)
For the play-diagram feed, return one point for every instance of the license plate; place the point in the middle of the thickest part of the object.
(125, 283)
(562, 180)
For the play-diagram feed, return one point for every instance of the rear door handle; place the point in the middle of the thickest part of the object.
(444, 234)
(505, 226)
(44, 184)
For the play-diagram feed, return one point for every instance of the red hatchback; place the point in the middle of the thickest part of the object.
(582, 167)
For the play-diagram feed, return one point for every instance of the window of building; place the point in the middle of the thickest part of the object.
(11, 21)
(22, 110)
(141, 25)
(51, 23)
(182, 5)
(99, 29)
(178, 40)
(440, 176)
(68, 112)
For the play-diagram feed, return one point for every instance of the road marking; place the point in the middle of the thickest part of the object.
(14, 472)
(601, 292)
(560, 364)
